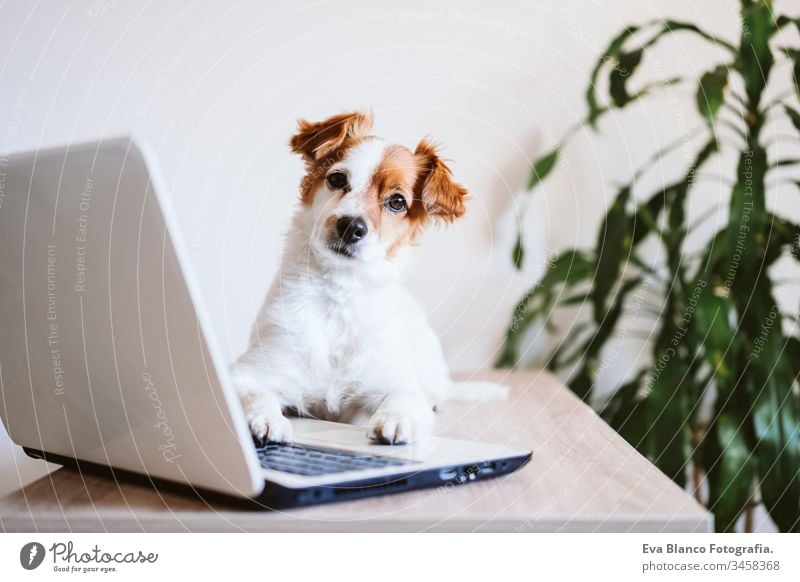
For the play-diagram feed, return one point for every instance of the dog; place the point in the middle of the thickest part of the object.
(338, 337)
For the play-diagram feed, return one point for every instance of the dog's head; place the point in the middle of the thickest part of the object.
(369, 199)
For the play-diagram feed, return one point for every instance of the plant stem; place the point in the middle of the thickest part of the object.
(750, 510)
(697, 479)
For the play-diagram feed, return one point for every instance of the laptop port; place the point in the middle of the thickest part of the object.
(470, 473)
(448, 474)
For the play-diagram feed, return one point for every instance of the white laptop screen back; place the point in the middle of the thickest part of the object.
(103, 355)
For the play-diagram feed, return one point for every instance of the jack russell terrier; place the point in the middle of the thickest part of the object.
(338, 337)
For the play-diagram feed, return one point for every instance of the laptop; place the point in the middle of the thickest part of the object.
(108, 360)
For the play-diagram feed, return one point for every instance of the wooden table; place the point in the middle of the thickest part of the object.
(583, 477)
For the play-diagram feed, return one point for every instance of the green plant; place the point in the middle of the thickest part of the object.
(718, 335)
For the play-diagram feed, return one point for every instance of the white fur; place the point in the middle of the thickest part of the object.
(340, 337)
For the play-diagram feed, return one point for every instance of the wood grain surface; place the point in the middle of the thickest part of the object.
(583, 477)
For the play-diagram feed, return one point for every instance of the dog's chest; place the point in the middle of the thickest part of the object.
(345, 331)
(345, 334)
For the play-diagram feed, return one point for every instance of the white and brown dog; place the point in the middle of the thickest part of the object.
(338, 336)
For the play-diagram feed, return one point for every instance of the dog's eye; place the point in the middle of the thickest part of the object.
(337, 180)
(396, 203)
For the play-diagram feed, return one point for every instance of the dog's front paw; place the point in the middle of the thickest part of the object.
(396, 427)
(268, 427)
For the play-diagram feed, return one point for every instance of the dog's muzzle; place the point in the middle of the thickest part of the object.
(350, 230)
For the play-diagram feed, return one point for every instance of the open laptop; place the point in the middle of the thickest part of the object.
(108, 360)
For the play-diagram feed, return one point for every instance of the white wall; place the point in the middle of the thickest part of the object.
(217, 86)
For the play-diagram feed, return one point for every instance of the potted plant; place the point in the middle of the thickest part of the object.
(718, 339)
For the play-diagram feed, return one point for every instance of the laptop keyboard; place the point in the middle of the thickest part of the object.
(302, 460)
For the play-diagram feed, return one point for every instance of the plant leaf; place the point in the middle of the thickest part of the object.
(676, 232)
(716, 335)
(671, 26)
(619, 75)
(794, 54)
(777, 422)
(747, 216)
(726, 450)
(794, 116)
(784, 162)
(730, 470)
(667, 402)
(518, 254)
(783, 20)
(784, 234)
(554, 360)
(542, 168)
(625, 412)
(611, 54)
(564, 271)
(645, 217)
(775, 409)
(755, 58)
(713, 265)
(578, 299)
(614, 52)
(711, 92)
(583, 381)
(793, 353)
(613, 244)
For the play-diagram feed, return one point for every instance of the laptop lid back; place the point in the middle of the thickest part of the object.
(106, 353)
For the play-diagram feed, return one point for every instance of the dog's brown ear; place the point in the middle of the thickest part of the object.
(441, 196)
(315, 140)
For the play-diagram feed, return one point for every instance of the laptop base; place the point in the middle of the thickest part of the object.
(276, 496)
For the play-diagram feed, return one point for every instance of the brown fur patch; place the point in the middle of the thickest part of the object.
(396, 172)
(441, 196)
(323, 143)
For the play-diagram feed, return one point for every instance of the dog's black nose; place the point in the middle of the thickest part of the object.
(351, 229)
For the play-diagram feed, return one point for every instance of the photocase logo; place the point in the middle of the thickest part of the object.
(31, 555)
